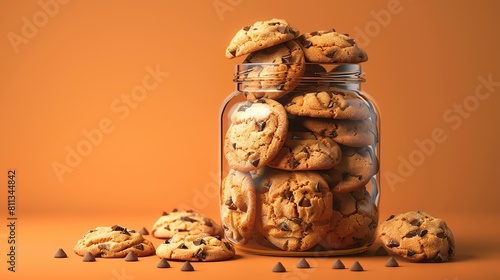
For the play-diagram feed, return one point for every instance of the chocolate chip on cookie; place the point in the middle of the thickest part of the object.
(418, 236)
(185, 222)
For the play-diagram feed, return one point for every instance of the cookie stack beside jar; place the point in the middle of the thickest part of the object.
(299, 144)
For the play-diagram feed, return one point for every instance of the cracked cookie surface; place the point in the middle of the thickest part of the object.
(294, 209)
(353, 222)
(256, 134)
(113, 242)
(198, 247)
(418, 236)
(184, 222)
(328, 46)
(307, 151)
(260, 35)
(238, 206)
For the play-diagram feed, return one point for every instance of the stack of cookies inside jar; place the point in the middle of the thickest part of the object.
(299, 144)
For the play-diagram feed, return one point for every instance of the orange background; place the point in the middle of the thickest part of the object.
(68, 67)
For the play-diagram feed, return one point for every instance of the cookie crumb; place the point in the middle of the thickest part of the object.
(60, 254)
(131, 257)
(381, 251)
(356, 266)
(303, 264)
(279, 267)
(144, 231)
(88, 257)
(391, 262)
(187, 266)
(163, 263)
(338, 264)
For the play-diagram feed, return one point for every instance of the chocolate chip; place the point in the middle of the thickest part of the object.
(288, 195)
(163, 263)
(208, 223)
(124, 231)
(144, 231)
(287, 58)
(441, 234)
(391, 262)
(88, 257)
(303, 264)
(284, 227)
(182, 230)
(390, 217)
(261, 125)
(356, 267)
(330, 30)
(393, 243)
(131, 257)
(200, 254)
(338, 264)
(305, 202)
(234, 146)
(117, 228)
(315, 33)
(411, 234)
(416, 222)
(182, 246)
(450, 251)
(164, 213)
(295, 163)
(351, 41)
(381, 251)
(283, 29)
(175, 210)
(187, 266)
(188, 219)
(280, 86)
(228, 246)
(330, 104)
(334, 134)
(199, 242)
(306, 44)
(438, 258)
(246, 28)
(255, 162)
(139, 247)
(233, 52)
(318, 187)
(278, 267)
(60, 254)
(298, 221)
(244, 107)
(346, 34)
(423, 233)
(265, 187)
(410, 253)
(167, 241)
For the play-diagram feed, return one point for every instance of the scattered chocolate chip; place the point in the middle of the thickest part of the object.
(390, 217)
(278, 267)
(391, 262)
(356, 267)
(246, 28)
(188, 219)
(164, 213)
(338, 264)
(303, 264)
(381, 251)
(139, 247)
(255, 162)
(187, 266)
(60, 254)
(284, 226)
(199, 242)
(416, 222)
(393, 243)
(411, 234)
(163, 263)
(175, 210)
(305, 202)
(118, 228)
(423, 233)
(144, 231)
(131, 257)
(88, 257)
(410, 253)
(261, 125)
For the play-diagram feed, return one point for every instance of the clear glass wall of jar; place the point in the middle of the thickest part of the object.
(315, 191)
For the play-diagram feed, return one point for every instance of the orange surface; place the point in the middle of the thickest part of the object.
(109, 114)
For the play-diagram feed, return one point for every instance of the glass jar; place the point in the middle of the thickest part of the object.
(299, 169)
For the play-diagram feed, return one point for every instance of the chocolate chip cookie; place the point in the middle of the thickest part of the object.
(353, 222)
(356, 168)
(260, 35)
(256, 134)
(237, 207)
(324, 102)
(329, 46)
(272, 72)
(418, 236)
(352, 133)
(185, 222)
(113, 242)
(294, 209)
(199, 247)
(307, 151)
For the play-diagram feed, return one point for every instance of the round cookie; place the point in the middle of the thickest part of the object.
(113, 242)
(199, 247)
(353, 222)
(256, 134)
(272, 72)
(325, 103)
(294, 209)
(260, 35)
(357, 133)
(331, 47)
(237, 206)
(185, 222)
(418, 236)
(307, 151)
(355, 169)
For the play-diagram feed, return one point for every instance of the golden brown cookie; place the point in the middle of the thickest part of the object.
(256, 134)
(260, 35)
(294, 209)
(417, 236)
(352, 133)
(198, 247)
(185, 222)
(113, 242)
(237, 207)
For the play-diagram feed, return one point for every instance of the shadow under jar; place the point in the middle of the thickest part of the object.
(299, 168)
